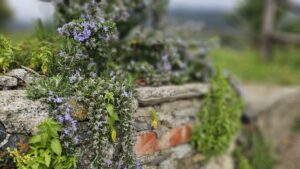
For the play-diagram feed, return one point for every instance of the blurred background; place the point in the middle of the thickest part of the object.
(258, 41)
(253, 51)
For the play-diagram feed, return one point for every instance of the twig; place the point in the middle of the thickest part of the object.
(30, 70)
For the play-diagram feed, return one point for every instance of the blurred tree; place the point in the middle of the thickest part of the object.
(249, 16)
(5, 12)
(159, 8)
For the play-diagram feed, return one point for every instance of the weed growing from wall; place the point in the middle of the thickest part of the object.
(219, 119)
(45, 150)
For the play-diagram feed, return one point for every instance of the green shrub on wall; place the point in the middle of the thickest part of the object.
(45, 150)
(219, 119)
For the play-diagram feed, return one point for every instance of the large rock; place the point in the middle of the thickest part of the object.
(276, 111)
(8, 82)
(22, 75)
(155, 95)
(20, 114)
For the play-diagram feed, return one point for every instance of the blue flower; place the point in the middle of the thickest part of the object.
(68, 117)
(166, 64)
(66, 131)
(61, 119)
(138, 166)
(76, 140)
(57, 100)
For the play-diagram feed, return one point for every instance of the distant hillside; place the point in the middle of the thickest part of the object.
(214, 19)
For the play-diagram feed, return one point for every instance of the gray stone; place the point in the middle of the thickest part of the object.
(223, 162)
(168, 164)
(19, 114)
(17, 73)
(23, 75)
(7, 82)
(181, 151)
(141, 125)
(171, 114)
(155, 95)
(2, 132)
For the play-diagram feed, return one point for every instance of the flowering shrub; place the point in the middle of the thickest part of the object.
(93, 75)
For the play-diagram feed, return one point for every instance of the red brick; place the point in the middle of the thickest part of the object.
(148, 143)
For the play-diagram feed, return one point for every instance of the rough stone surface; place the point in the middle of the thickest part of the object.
(19, 114)
(17, 73)
(170, 114)
(2, 133)
(22, 75)
(277, 111)
(8, 82)
(155, 95)
(223, 162)
(165, 147)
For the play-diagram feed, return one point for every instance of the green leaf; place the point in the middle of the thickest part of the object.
(47, 159)
(44, 138)
(56, 146)
(110, 109)
(35, 139)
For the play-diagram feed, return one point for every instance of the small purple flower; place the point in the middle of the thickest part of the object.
(74, 127)
(107, 162)
(166, 63)
(66, 131)
(57, 100)
(49, 99)
(99, 124)
(138, 166)
(125, 94)
(76, 140)
(60, 119)
(68, 117)
(107, 38)
(68, 109)
(105, 28)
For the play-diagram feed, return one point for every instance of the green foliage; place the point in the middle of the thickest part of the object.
(256, 151)
(154, 117)
(241, 161)
(45, 150)
(32, 52)
(41, 58)
(249, 15)
(153, 59)
(126, 14)
(41, 87)
(296, 126)
(6, 54)
(219, 119)
(113, 116)
(5, 12)
(248, 67)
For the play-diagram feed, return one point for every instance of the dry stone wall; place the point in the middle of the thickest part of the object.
(166, 147)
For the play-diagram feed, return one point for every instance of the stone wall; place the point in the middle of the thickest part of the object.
(165, 147)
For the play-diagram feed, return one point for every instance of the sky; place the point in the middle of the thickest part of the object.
(27, 10)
